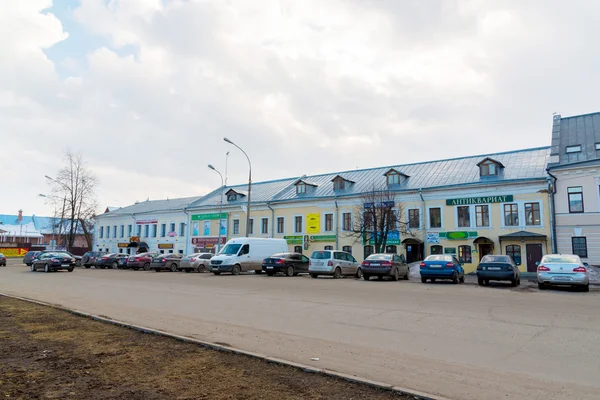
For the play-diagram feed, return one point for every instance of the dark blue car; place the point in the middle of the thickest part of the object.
(498, 268)
(442, 267)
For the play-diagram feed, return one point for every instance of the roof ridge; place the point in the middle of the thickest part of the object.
(580, 115)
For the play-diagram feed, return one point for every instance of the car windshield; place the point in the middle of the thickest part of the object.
(495, 259)
(60, 255)
(321, 255)
(385, 257)
(560, 259)
(230, 249)
(280, 255)
(438, 258)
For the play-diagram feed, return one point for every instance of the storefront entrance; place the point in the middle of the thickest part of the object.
(414, 250)
(534, 255)
(484, 250)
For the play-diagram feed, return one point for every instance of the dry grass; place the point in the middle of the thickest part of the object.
(51, 354)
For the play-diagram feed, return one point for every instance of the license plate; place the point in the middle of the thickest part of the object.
(215, 267)
(561, 278)
(65, 265)
(318, 263)
(375, 265)
(494, 268)
(435, 266)
(269, 267)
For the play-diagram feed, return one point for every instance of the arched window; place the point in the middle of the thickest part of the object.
(437, 249)
(347, 249)
(369, 250)
(514, 251)
(298, 249)
(391, 249)
(464, 254)
(328, 247)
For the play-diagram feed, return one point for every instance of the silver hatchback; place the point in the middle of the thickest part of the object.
(563, 270)
(334, 263)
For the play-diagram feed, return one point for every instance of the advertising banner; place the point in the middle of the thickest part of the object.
(313, 223)
(479, 200)
(202, 217)
(146, 221)
(297, 239)
(163, 246)
(13, 251)
(206, 228)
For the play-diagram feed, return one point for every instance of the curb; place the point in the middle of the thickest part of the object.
(303, 367)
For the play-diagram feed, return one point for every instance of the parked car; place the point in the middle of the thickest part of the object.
(53, 261)
(383, 264)
(442, 267)
(196, 262)
(30, 256)
(111, 260)
(335, 263)
(2, 260)
(562, 269)
(89, 258)
(141, 260)
(164, 262)
(246, 254)
(291, 264)
(498, 268)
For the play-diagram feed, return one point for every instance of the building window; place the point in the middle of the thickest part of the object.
(108, 232)
(464, 254)
(114, 231)
(264, 225)
(413, 218)
(347, 221)
(511, 215)
(482, 216)
(154, 230)
(435, 217)
(231, 197)
(298, 249)
(236, 227)
(147, 230)
(514, 251)
(298, 224)
(182, 229)
(488, 169)
(251, 226)
(328, 222)
(101, 232)
(393, 178)
(122, 231)
(532, 214)
(579, 246)
(573, 149)
(347, 249)
(328, 248)
(369, 250)
(139, 230)
(163, 230)
(300, 188)
(437, 249)
(129, 230)
(464, 216)
(339, 184)
(575, 199)
(391, 249)
(172, 227)
(280, 225)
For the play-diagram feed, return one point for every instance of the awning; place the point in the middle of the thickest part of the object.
(136, 244)
(483, 240)
(523, 235)
(412, 241)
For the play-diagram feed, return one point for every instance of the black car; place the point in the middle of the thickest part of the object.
(53, 261)
(164, 262)
(112, 260)
(30, 256)
(291, 264)
(89, 258)
(498, 268)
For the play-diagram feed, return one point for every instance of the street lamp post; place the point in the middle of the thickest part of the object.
(249, 183)
(220, 209)
(62, 215)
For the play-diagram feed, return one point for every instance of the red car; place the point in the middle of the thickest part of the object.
(141, 260)
(2, 260)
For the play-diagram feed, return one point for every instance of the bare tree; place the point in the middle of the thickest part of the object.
(75, 184)
(377, 216)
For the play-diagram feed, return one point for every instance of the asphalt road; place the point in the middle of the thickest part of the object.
(459, 341)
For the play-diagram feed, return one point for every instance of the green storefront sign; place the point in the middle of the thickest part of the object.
(293, 239)
(298, 239)
(479, 200)
(204, 217)
(450, 250)
(461, 235)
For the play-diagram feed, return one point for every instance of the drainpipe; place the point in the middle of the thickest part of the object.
(272, 220)
(186, 228)
(337, 225)
(551, 193)
(424, 224)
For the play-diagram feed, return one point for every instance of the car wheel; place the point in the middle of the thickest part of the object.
(235, 270)
(270, 274)
(46, 268)
(366, 277)
(289, 271)
(173, 267)
(359, 273)
(541, 286)
(586, 288)
(147, 267)
(461, 279)
(217, 273)
(70, 269)
(407, 273)
(32, 267)
(423, 280)
(115, 265)
(455, 279)
(395, 275)
(337, 273)
(480, 282)
(314, 276)
(201, 268)
(187, 270)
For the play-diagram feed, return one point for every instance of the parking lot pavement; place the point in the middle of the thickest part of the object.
(459, 341)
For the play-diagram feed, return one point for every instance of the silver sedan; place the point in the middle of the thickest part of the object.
(196, 262)
(564, 270)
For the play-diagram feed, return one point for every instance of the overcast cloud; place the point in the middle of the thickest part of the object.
(145, 90)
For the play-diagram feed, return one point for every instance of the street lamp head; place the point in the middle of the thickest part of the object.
(47, 177)
(42, 195)
(227, 140)
(211, 166)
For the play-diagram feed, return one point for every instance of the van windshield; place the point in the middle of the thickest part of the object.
(231, 249)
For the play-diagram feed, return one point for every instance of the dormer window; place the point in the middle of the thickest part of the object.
(489, 167)
(301, 188)
(340, 183)
(393, 178)
(232, 197)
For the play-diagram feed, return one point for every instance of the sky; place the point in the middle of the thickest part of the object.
(146, 90)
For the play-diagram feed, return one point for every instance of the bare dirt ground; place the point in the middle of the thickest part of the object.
(46, 353)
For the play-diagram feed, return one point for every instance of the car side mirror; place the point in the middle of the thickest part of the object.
(537, 263)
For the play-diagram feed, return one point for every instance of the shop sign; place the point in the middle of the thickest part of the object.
(393, 237)
(322, 238)
(203, 217)
(122, 245)
(163, 246)
(208, 242)
(433, 237)
(479, 200)
(460, 235)
(450, 250)
(13, 251)
(146, 221)
(297, 239)
(389, 204)
(172, 234)
(313, 223)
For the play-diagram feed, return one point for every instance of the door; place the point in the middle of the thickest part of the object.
(484, 250)
(244, 258)
(402, 267)
(352, 264)
(534, 255)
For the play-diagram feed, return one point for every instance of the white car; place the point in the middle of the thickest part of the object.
(335, 263)
(563, 270)
(196, 262)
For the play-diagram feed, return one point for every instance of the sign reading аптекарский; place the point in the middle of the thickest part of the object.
(479, 200)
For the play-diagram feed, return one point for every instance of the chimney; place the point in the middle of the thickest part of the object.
(20, 217)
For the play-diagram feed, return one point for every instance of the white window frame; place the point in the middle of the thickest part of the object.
(471, 217)
(325, 222)
(301, 188)
(251, 222)
(521, 208)
(343, 229)
(393, 173)
(301, 225)
(441, 217)
(277, 227)
(233, 221)
(420, 217)
(261, 225)
(490, 212)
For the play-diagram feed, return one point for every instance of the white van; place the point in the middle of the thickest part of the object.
(246, 254)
